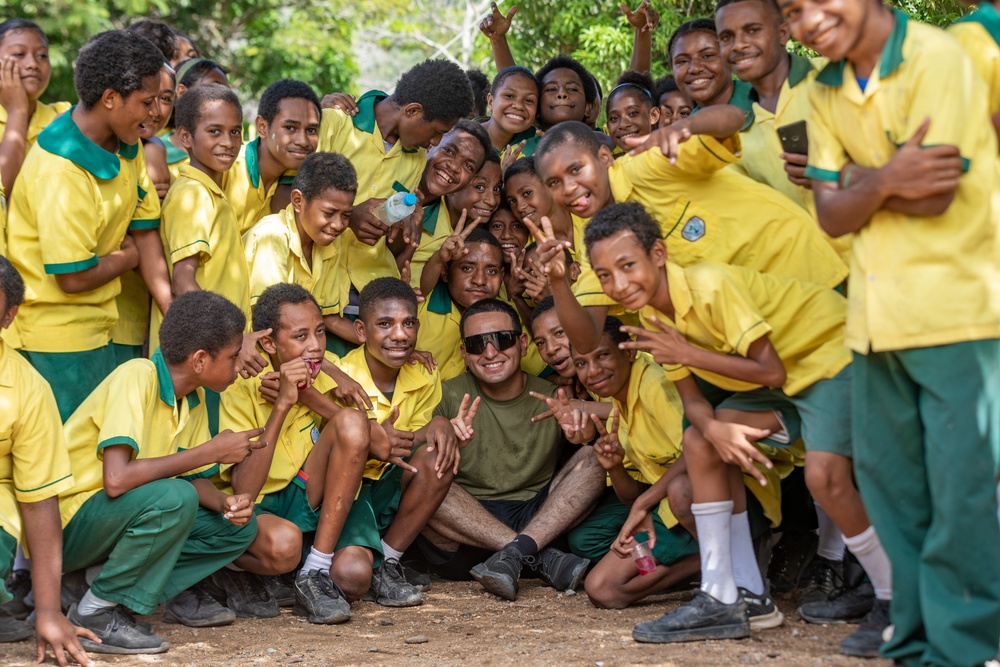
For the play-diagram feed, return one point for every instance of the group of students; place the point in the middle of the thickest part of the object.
(580, 340)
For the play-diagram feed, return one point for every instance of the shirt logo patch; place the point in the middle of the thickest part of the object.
(314, 434)
(694, 229)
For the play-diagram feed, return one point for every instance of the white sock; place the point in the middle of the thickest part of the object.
(831, 540)
(868, 550)
(712, 520)
(746, 572)
(317, 560)
(390, 553)
(91, 604)
(21, 562)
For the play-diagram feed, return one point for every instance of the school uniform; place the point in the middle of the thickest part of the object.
(244, 187)
(923, 321)
(73, 203)
(416, 394)
(156, 539)
(175, 157)
(979, 34)
(711, 214)
(435, 231)
(34, 463)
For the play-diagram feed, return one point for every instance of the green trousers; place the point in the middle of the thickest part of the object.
(8, 547)
(156, 541)
(73, 375)
(926, 426)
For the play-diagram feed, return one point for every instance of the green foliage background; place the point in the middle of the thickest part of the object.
(326, 42)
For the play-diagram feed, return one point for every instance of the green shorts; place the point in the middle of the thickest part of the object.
(820, 413)
(756, 401)
(73, 375)
(372, 512)
(8, 547)
(291, 503)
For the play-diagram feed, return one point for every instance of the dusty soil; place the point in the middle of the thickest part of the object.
(462, 625)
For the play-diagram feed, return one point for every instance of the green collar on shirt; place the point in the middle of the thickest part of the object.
(431, 212)
(987, 16)
(891, 58)
(167, 384)
(440, 299)
(364, 120)
(252, 162)
(743, 98)
(798, 70)
(174, 154)
(63, 138)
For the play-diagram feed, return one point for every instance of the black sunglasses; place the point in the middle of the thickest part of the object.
(500, 340)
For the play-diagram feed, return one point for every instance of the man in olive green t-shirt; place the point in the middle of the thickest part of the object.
(508, 497)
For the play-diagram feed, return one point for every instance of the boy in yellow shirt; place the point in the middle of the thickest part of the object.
(705, 212)
(141, 502)
(979, 33)
(287, 132)
(83, 200)
(910, 168)
(305, 479)
(34, 469)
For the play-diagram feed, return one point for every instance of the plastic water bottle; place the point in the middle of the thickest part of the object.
(396, 208)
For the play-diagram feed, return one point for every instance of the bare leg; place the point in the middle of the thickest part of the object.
(574, 491)
(276, 549)
(462, 519)
(335, 466)
(423, 493)
(615, 583)
(830, 478)
(352, 570)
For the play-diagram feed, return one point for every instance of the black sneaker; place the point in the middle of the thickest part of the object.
(118, 632)
(319, 598)
(790, 559)
(282, 588)
(560, 570)
(763, 613)
(866, 640)
(197, 609)
(500, 572)
(850, 606)
(18, 584)
(73, 586)
(14, 629)
(389, 587)
(701, 619)
(419, 580)
(246, 594)
(827, 581)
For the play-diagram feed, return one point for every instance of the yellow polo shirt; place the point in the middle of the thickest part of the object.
(273, 250)
(73, 204)
(244, 187)
(381, 173)
(711, 214)
(198, 221)
(725, 309)
(175, 157)
(34, 463)
(915, 281)
(44, 114)
(436, 230)
(761, 147)
(416, 394)
(242, 408)
(979, 35)
(134, 406)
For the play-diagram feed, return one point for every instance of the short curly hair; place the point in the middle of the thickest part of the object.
(439, 86)
(386, 288)
(325, 171)
(631, 216)
(508, 72)
(267, 311)
(11, 283)
(563, 61)
(114, 60)
(490, 306)
(283, 89)
(479, 83)
(200, 320)
(189, 108)
(568, 132)
(477, 132)
(160, 34)
(663, 85)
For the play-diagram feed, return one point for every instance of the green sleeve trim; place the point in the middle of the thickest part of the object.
(188, 245)
(71, 267)
(144, 223)
(211, 471)
(818, 174)
(713, 153)
(753, 330)
(39, 488)
(118, 440)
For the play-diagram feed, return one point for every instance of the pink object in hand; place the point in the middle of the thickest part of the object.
(644, 559)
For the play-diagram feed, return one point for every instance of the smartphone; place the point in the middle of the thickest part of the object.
(794, 138)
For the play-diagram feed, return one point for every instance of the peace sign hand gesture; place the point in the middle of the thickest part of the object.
(454, 246)
(550, 255)
(607, 448)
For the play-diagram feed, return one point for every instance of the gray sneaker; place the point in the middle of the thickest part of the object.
(282, 588)
(246, 594)
(419, 580)
(560, 570)
(14, 630)
(850, 606)
(867, 639)
(764, 614)
(390, 589)
(118, 632)
(499, 574)
(197, 609)
(701, 619)
(319, 598)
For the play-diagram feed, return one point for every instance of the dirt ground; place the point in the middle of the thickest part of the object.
(460, 624)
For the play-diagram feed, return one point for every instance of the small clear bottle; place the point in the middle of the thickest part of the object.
(396, 208)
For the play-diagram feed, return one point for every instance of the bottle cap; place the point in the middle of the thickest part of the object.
(410, 199)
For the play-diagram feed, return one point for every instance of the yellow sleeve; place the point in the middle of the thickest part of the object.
(124, 418)
(66, 219)
(188, 218)
(698, 157)
(267, 252)
(237, 413)
(147, 213)
(826, 154)
(41, 460)
(424, 403)
(984, 52)
(724, 304)
(329, 130)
